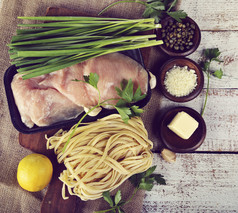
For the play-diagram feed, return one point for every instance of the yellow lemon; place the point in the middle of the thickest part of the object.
(34, 172)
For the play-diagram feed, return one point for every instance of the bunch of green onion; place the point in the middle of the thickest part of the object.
(59, 42)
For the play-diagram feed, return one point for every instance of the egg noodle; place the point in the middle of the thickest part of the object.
(101, 155)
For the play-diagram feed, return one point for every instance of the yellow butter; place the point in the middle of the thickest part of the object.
(183, 125)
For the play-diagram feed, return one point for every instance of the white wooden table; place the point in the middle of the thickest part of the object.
(206, 180)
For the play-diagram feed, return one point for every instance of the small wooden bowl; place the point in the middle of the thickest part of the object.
(176, 143)
(178, 53)
(181, 62)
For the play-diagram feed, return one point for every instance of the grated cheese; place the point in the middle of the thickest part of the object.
(180, 81)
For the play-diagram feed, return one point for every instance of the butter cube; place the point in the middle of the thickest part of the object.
(183, 125)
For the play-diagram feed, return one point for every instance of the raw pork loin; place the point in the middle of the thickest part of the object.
(54, 97)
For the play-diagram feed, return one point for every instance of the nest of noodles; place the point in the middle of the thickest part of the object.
(101, 155)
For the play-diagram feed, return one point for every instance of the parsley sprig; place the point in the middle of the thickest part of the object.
(126, 103)
(144, 181)
(210, 55)
(157, 9)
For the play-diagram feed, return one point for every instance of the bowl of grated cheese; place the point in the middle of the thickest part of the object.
(181, 79)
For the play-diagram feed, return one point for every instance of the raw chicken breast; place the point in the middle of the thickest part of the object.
(41, 105)
(62, 80)
(111, 68)
(55, 97)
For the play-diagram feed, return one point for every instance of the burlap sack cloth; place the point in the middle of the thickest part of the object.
(12, 197)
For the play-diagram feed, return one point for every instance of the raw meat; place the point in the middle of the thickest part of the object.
(54, 97)
(41, 105)
(111, 68)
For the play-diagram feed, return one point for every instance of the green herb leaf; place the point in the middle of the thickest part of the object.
(92, 79)
(147, 183)
(159, 179)
(136, 110)
(172, 5)
(138, 95)
(155, 5)
(153, 8)
(125, 113)
(144, 181)
(107, 197)
(218, 73)
(127, 92)
(212, 54)
(117, 198)
(119, 91)
(147, 13)
(158, 9)
(150, 171)
(205, 66)
(121, 103)
(136, 179)
(177, 15)
(209, 56)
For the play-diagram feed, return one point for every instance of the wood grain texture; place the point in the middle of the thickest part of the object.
(195, 183)
(227, 42)
(212, 15)
(204, 182)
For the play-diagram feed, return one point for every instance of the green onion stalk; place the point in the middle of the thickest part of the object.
(59, 42)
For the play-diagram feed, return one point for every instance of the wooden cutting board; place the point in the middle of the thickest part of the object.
(53, 201)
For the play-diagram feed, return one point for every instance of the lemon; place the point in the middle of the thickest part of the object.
(34, 172)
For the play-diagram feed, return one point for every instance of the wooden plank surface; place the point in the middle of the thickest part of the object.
(212, 15)
(202, 182)
(205, 182)
(227, 42)
(195, 183)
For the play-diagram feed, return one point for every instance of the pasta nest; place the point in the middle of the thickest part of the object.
(101, 155)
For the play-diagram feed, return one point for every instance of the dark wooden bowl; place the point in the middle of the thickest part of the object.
(176, 143)
(181, 62)
(196, 39)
